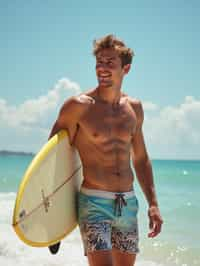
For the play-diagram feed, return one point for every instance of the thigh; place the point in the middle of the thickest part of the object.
(95, 223)
(100, 258)
(125, 235)
(120, 258)
(96, 237)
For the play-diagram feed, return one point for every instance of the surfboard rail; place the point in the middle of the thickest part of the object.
(20, 216)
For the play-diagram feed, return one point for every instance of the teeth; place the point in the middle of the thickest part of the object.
(104, 76)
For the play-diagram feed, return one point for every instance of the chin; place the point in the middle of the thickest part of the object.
(105, 85)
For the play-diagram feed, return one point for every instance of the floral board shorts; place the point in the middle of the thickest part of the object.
(108, 220)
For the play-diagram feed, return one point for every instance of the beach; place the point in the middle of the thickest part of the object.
(177, 183)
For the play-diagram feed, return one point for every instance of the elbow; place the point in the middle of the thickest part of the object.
(55, 129)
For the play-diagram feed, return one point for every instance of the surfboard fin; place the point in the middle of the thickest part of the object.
(54, 248)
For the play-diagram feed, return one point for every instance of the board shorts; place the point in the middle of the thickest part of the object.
(108, 220)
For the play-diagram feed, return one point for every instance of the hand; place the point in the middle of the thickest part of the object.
(86, 99)
(155, 221)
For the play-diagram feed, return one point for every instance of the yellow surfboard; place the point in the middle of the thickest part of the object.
(45, 207)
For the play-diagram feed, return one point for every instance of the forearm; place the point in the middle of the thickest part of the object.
(144, 174)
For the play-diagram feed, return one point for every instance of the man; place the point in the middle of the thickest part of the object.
(105, 125)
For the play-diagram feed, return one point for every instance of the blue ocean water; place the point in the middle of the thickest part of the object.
(178, 191)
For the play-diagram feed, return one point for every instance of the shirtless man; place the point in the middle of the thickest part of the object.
(105, 125)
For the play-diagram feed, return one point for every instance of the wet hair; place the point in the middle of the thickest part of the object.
(110, 41)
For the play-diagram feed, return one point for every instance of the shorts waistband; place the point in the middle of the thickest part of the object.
(106, 194)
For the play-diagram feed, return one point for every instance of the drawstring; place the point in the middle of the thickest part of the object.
(119, 203)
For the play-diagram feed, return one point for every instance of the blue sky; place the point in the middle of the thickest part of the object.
(47, 44)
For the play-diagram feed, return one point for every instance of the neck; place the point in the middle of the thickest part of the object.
(108, 95)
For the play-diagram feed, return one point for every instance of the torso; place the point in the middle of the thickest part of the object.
(104, 140)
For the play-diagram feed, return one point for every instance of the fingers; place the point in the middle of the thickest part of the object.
(155, 222)
(155, 228)
(151, 224)
(86, 99)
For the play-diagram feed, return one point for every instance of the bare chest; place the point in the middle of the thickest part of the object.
(102, 123)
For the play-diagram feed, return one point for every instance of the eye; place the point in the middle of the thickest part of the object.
(110, 63)
(99, 62)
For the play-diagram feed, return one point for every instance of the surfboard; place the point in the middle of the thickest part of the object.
(45, 207)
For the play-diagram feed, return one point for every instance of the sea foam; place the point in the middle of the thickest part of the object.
(13, 251)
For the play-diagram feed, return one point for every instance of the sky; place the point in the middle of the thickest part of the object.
(46, 57)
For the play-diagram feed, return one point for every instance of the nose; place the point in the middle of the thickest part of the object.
(101, 66)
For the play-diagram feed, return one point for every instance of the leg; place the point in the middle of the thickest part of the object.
(100, 258)
(97, 243)
(111, 258)
(125, 236)
(95, 228)
(122, 258)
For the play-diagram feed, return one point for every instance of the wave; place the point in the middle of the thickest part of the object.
(170, 254)
(13, 251)
(152, 252)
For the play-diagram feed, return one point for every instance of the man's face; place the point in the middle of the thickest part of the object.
(109, 69)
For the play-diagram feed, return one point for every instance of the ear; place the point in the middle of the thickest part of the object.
(126, 68)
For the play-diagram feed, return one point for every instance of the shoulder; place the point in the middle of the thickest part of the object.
(137, 107)
(135, 104)
(77, 104)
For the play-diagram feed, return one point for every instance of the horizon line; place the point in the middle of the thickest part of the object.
(13, 152)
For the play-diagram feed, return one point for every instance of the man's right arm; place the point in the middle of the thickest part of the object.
(66, 117)
(70, 113)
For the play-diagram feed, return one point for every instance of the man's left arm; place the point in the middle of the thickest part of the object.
(144, 173)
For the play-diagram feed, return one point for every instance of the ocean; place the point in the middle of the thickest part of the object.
(178, 190)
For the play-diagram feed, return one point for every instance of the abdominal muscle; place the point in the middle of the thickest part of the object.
(103, 140)
(107, 180)
(106, 166)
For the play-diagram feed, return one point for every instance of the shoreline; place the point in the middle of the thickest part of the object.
(23, 153)
(20, 153)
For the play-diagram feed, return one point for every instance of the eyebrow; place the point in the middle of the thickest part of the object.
(108, 58)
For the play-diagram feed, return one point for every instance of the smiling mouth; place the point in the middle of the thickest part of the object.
(104, 76)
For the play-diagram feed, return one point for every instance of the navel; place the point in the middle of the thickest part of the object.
(117, 173)
(95, 134)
